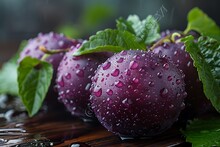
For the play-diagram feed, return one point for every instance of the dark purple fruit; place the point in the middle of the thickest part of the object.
(136, 93)
(50, 41)
(74, 81)
(196, 102)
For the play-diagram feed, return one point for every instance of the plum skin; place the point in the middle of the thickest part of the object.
(196, 101)
(136, 93)
(74, 80)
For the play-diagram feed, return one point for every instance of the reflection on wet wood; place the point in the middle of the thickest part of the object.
(58, 128)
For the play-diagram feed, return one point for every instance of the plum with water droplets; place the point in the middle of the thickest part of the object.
(133, 97)
(74, 81)
(196, 102)
(50, 41)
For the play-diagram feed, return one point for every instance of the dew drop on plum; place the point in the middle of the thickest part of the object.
(135, 80)
(119, 84)
(97, 91)
(166, 66)
(133, 65)
(159, 75)
(80, 73)
(106, 65)
(68, 76)
(164, 92)
(115, 72)
(109, 92)
(120, 60)
(169, 78)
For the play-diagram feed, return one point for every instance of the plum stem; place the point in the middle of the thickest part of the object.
(161, 41)
(54, 51)
(174, 35)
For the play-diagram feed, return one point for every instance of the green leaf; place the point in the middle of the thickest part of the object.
(147, 30)
(8, 74)
(206, 57)
(203, 132)
(124, 25)
(200, 22)
(8, 78)
(34, 78)
(110, 40)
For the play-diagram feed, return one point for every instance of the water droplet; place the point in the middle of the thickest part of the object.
(80, 73)
(185, 94)
(182, 47)
(68, 76)
(97, 91)
(189, 64)
(171, 106)
(182, 106)
(159, 75)
(88, 86)
(61, 82)
(106, 65)
(109, 91)
(137, 57)
(77, 66)
(67, 91)
(124, 52)
(169, 78)
(178, 95)
(135, 80)
(119, 84)
(164, 92)
(178, 81)
(166, 66)
(120, 60)
(175, 53)
(75, 57)
(115, 72)
(151, 84)
(27, 51)
(147, 96)
(61, 43)
(125, 100)
(165, 45)
(133, 65)
(127, 72)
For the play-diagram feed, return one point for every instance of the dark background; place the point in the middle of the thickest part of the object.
(23, 19)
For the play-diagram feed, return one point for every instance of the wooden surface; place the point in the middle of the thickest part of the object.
(56, 127)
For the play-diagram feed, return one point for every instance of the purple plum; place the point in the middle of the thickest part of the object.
(196, 102)
(50, 41)
(74, 80)
(137, 93)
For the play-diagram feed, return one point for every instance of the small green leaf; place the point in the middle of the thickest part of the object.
(124, 25)
(203, 132)
(110, 40)
(147, 30)
(200, 22)
(34, 78)
(206, 57)
(8, 78)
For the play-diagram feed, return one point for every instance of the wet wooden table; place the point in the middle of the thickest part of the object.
(56, 127)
